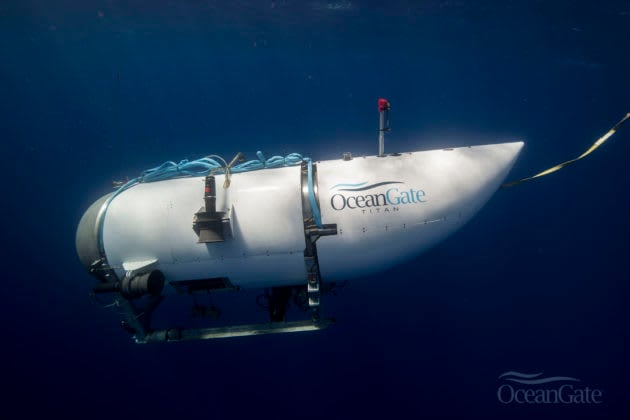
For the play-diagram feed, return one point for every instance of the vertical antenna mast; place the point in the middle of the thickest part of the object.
(383, 110)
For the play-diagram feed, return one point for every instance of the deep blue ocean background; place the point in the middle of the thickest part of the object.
(94, 91)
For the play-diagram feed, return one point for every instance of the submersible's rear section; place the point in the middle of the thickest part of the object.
(256, 231)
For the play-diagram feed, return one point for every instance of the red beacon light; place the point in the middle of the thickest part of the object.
(383, 105)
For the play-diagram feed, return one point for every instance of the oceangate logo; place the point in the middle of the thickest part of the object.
(533, 388)
(362, 196)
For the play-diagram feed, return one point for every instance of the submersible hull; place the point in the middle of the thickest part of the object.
(384, 210)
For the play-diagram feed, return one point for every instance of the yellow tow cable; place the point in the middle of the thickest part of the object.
(595, 145)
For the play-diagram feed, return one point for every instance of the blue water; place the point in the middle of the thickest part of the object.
(94, 91)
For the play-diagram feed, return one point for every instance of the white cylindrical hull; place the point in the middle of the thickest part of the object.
(386, 210)
(264, 244)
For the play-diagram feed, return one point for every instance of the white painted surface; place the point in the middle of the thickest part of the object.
(427, 196)
(454, 185)
(154, 221)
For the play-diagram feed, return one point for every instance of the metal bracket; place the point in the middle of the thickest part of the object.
(312, 233)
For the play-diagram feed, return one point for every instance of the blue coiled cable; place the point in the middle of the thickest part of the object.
(203, 166)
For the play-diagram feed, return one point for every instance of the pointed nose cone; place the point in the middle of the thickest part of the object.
(496, 160)
(475, 173)
(393, 208)
(460, 181)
